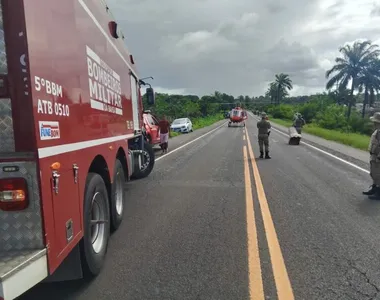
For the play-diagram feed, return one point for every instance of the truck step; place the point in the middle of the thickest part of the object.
(16, 268)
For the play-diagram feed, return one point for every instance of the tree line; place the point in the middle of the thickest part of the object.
(357, 69)
(192, 106)
(355, 78)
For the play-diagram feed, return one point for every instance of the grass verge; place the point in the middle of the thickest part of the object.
(355, 140)
(201, 122)
(207, 121)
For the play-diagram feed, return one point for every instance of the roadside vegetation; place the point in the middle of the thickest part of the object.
(332, 115)
(206, 121)
(326, 119)
(202, 111)
(202, 122)
(356, 140)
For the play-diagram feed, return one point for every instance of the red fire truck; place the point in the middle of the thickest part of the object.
(71, 134)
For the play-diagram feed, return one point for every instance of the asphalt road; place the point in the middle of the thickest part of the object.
(192, 230)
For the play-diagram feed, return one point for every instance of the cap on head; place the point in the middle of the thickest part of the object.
(263, 114)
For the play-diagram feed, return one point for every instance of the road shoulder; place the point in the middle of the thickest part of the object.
(352, 155)
(185, 138)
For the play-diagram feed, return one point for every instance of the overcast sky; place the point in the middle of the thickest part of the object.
(237, 46)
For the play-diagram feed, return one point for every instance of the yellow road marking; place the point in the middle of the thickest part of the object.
(256, 290)
(283, 285)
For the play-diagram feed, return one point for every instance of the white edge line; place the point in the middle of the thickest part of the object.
(192, 141)
(326, 153)
(88, 11)
(59, 149)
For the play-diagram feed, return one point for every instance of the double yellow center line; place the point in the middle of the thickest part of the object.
(256, 289)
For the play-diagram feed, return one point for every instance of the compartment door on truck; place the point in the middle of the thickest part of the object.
(135, 103)
(66, 205)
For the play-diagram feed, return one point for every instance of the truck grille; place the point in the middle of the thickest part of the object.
(6, 122)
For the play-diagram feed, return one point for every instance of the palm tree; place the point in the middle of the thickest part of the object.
(271, 92)
(349, 67)
(284, 84)
(340, 95)
(370, 80)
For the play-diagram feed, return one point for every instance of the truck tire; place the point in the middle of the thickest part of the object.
(147, 162)
(118, 196)
(96, 235)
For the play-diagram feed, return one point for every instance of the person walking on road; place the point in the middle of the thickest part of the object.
(374, 150)
(264, 127)
(164, 126)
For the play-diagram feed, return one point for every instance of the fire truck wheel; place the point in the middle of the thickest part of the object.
(96, 222)
(148, 159)
(118, 196)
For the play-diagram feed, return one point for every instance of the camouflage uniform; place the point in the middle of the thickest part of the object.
(298, 123)
(263, 127)
(374, 150)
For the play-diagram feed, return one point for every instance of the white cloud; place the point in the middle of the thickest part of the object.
(236, 46)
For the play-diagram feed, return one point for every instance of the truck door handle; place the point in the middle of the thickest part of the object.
(56, 176)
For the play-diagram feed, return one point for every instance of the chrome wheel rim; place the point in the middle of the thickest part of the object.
(119, 195)
(146, 160)
(98, 220)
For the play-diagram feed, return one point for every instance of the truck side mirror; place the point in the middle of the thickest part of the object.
(150, 96)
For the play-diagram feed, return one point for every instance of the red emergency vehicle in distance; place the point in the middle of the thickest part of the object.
(238, 115)
(71, 134)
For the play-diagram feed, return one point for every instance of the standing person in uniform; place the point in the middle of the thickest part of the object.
(374, 150)
(299, 122)
(263, 134)
(164, 126)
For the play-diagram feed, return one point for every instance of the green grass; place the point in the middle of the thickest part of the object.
(286, 123)
(174, 134)
(207, 121)
(355, 140)
(199, 123)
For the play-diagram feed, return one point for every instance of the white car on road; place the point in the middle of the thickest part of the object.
(182, 125)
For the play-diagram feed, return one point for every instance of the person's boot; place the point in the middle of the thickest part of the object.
(376, 194)
(267, 155)
(371, 191)
(261, 154)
